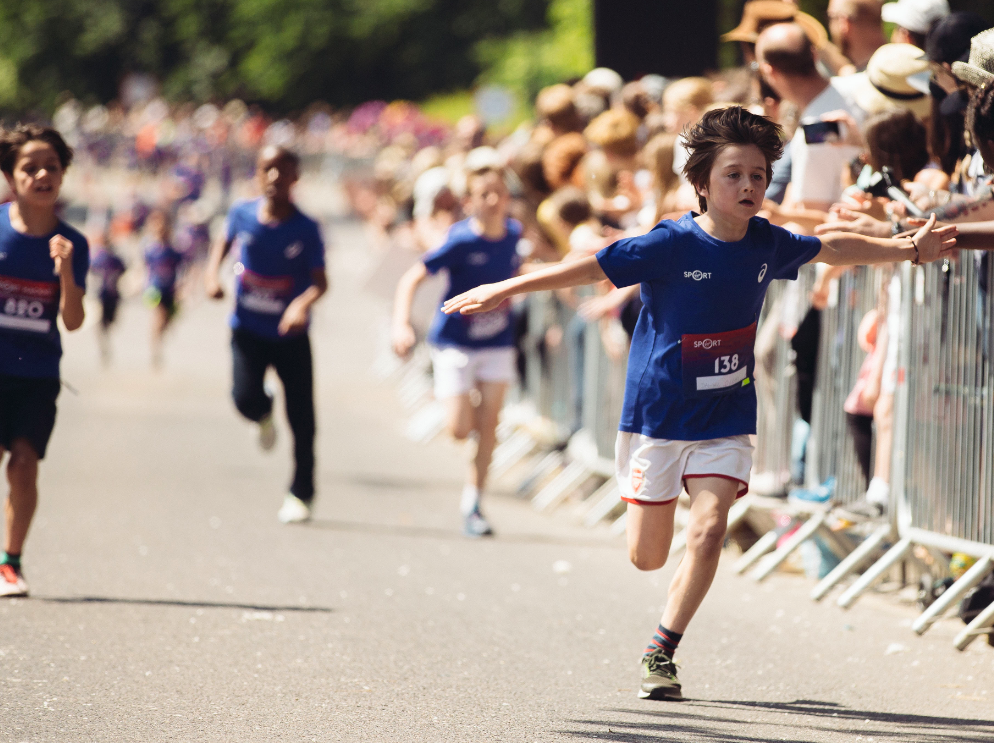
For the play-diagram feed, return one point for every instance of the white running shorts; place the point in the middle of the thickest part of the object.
(457, 370)
(654, 470)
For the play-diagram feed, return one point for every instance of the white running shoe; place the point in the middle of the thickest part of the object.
(12, 583)
(293, 510)
(267, 433)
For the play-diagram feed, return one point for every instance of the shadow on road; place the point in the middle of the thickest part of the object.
(178, 602)
(430, 532)
(675, 723)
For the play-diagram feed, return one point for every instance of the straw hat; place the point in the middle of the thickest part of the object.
(895, 77)
(980, 69)
(759, 14)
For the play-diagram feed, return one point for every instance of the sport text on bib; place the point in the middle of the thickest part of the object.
(717, 363)
(264, 294)
(30, 306)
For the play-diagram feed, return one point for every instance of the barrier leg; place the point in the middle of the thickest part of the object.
(766, 543)
(855, 559)
(606, 498)
(953, 594)
(894, 555)
(517, 446)
(981, 625)
(560, 487)
(620, 524)
(545, 466)
(799, 537)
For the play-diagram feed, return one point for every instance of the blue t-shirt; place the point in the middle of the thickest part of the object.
(691, 362)
(274, 266)
(30, 345)
(471, 260)
(163, 263)
(108, 268)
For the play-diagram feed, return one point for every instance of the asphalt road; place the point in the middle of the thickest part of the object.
(169, 604)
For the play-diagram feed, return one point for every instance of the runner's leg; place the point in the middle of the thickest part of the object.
(710, 500)
(459, 416)
(649, 529)
(294, 365)
(22, 476)
(486, 415)
(249, 362)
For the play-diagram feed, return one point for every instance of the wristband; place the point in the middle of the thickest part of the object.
(916, 261)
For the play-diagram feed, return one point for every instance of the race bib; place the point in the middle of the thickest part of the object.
(489, 324)
(267, 295)
(717, 363)
(31, 306)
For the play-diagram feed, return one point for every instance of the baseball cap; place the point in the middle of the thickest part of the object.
(916, 16)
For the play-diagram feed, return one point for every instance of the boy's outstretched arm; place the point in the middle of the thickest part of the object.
(848, 249)
(558, 276)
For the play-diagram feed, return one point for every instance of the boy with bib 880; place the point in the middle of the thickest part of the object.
(43, 265)
(690, 404)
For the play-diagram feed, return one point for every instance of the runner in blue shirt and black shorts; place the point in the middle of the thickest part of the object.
(279, 274)
(43, 266)
(690, 401)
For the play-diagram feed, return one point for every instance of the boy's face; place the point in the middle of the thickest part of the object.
(275, 174)
(488, 196)
(737, 185)
(37, 175)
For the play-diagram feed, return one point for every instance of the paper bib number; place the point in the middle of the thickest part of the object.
(489, 324)
(28, 305)
(717, 363)
(266, 295)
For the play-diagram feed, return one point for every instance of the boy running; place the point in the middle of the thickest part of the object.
(43, 265)
(163, 262)
(690, 404)
(470, 353)
(108, 267)
(279, 275)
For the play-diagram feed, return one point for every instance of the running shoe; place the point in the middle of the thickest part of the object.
(861, 510)
(267, 433)
(821, 494)
(475, 525)
(294, 510)
(659, 679)
(12, 581)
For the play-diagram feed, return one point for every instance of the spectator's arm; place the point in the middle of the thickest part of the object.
(845, 249)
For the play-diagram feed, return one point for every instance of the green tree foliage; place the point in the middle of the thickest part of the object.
(282, 53)
(529, 60)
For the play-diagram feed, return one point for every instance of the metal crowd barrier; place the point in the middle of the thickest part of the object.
(559, 442)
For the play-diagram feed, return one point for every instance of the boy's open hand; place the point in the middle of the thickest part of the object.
(481, 299)
(934, 242)
(60, 249)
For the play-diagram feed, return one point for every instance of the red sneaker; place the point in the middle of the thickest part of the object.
(12, 582)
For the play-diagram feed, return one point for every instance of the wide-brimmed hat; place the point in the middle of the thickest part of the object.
(916, 16)
(894, 79)
(980, 69)
(759, 14)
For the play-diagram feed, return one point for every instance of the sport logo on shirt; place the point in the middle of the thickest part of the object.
(762, 273)
(696, 275)
(293, 250)
(477, 259)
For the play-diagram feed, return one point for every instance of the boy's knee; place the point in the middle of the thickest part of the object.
(460, 430)
(707, 538)
(22, 465)
(644, 560)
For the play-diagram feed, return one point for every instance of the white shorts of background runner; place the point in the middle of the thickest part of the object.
(653, 471)
(457, 370)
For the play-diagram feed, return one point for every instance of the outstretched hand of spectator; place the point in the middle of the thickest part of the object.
(481, 299)
(847, 220)
(934, 242)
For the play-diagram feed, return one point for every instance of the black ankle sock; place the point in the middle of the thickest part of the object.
(664, 639)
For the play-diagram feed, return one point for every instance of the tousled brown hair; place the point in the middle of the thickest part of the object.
(726, 126)
(12, 140)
